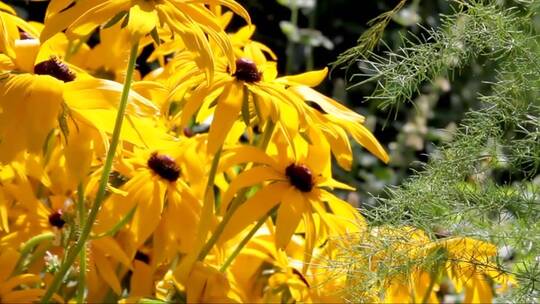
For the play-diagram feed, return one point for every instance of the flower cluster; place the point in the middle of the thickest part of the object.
(206, 180)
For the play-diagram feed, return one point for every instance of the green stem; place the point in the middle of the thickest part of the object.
(238, 200)
(245, 240)
(100, 195)
(221, 226)
(425, 299)
(29, 246)
(82, 255)
(208, 195)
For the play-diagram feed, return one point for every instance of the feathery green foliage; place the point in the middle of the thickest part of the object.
(456, 194)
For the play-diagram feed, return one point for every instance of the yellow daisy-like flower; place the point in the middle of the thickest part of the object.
(191, 20)
(336, 122)
(157, 196)
(255, 92)
(41, 92)
(296, 180)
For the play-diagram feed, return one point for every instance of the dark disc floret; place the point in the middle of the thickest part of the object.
(300, 177)
(246, 70)
(55, 68)
(164, 166)
(56, 220)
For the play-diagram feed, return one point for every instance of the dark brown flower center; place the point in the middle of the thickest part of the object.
(164, 166)
(300, 177)
(55, 68)
(56, 220)
(246, 70)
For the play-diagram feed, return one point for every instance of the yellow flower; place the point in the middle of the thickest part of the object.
(336, 121)
(470, 266)
(296, 180)
(51, 94)
(190, 20)
(158, 197)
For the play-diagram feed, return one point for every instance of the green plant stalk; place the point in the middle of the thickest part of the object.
(28, 246)
(208, 194)
(245, 240)
(100, 195)
(82, 255)
(237, 201)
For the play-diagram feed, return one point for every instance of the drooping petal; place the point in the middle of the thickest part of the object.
(23, 279)
(141, 282)
(110, 246)
(254, 208)
(147, 215)
(96, 16)
(310, 79)
(253, 176)
(244, 154)
(227, 111)
(364, 137)
(289, 214)
(107, 271)
(329, 105)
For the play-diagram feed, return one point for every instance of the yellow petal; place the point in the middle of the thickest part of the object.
(244, 154)
(106, 271)
(57, 20)
(365, 138)
(248, 178)
(227, 111)
(105, 94)
(341, 148)
(148, 213)
(141, 283)
(23, 279)
(289, 214)
(254, 208)
(233, 5)
(95, 16)
(329, 105)
(310, 79)
(26, 296)
(110, 246)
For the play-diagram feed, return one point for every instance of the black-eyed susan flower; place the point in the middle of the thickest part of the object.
(191, 20)
(249, 89)
(42, 93)
(336, 121)
(295, 177)
(157, 195)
